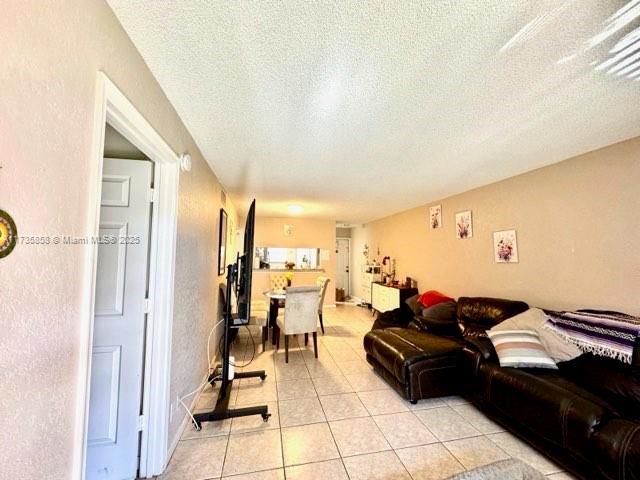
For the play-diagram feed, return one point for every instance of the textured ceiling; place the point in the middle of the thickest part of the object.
(357, 110)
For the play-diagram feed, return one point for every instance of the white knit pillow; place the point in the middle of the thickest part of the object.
(520, 349)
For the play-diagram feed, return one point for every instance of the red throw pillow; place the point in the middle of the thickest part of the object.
(431, 298)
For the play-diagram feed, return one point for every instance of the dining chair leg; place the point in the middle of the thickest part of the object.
(321, 324)
(306, 339)
(265, 336)
(276, 334)
(286, 348)
(315, 344)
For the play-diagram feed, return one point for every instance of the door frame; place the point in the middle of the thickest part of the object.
(349, 259)
(114, 108)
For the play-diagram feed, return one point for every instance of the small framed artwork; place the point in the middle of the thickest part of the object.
(288, 230)
(505, 246)
(464, 224)
(435, 216)
(222, 242)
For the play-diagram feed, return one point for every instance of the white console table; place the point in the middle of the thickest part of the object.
(385, 298)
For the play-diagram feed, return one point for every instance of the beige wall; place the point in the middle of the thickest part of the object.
(269, 232)
(577, 227)
(50, 53)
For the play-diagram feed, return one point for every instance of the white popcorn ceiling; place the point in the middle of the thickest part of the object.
(357, 110)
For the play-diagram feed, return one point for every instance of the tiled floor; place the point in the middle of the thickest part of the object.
(334, 418)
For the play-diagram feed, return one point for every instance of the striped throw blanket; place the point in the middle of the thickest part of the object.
(609, 334)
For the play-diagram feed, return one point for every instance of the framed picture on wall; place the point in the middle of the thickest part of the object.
(505, 246)
(435, 216)
(222, 242)
(464, 225)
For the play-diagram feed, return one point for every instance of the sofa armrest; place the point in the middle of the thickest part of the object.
(483, 345)
(618, 448)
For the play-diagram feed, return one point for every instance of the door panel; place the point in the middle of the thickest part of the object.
(105, 385)
(111, 265)
(119, 321)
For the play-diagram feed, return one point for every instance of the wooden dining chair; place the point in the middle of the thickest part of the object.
(300, 316)
(322, 282)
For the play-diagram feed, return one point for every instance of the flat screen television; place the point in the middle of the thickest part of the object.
(245, 266)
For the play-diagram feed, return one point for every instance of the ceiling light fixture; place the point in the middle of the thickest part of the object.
(294, 209)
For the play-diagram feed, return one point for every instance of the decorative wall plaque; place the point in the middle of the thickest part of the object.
(8, 234)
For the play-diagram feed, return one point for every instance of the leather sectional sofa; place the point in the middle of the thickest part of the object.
(585, 415)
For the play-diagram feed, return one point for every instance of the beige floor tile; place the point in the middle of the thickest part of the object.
(478, 419)
(366, 381)
(476, 451)
(308, 443)
(295, 356)
(376, 466)
(301, 411)
(332, 384)
(325, 369)
(379, 402)
(446, 424)
(429, 462)
(197, 459)
(342, 405)
(356, 366)
(209, 429)
(518, 449)
(291, 371)
(291, 389)
(277, 474)
(404, 430)
(255, 423)
(454, 400)
(358, 436)
(251, 452)
(257, 393)
(330, 470)
(427, 403)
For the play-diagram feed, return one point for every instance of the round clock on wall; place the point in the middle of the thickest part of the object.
(8, 234)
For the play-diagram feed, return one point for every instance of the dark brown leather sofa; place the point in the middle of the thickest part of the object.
(585, 416)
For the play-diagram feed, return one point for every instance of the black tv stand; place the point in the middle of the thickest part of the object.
(222, 410)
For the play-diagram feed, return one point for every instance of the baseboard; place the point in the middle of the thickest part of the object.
(187, 419)
(329, 305)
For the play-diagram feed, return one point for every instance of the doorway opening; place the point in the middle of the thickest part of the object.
(343, 260)
(123, 399)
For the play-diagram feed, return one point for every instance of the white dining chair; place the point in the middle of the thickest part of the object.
(300, 316)
(322, 282)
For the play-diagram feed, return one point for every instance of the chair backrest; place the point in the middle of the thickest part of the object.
(278, 281)
(322, 282)
(301, 310)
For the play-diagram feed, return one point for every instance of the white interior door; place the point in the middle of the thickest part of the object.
(342, 272)
(119, 321)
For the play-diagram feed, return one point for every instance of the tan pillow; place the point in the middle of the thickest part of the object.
(534, 319)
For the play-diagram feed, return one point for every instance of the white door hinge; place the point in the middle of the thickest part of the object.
(152, 195)
(141, 423)
(147, 305)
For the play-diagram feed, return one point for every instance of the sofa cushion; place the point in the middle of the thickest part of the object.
(414, 304)
(432, 297)
(534, 319)
(520, 348)
(563, 417)
(439, 319)
(476, 315)
(397, 349)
